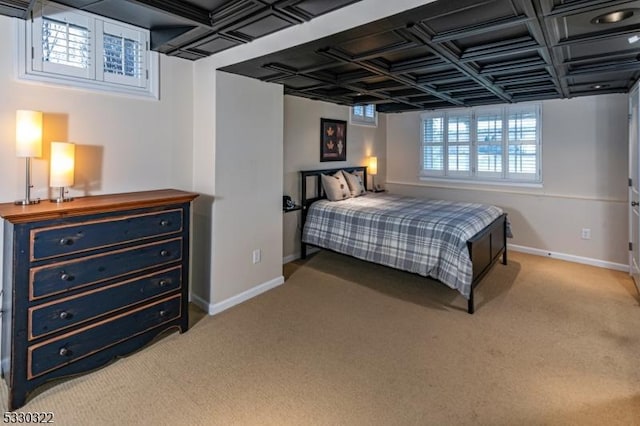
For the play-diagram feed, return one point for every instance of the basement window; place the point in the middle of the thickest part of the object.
(66, 46)
(364, 115)
(484, 144)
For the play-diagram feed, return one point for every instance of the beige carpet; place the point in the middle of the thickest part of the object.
(344, 342)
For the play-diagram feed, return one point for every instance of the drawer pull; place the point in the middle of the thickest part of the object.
(164, 223)
(163, 282)
(164, 253)
(64, 351)
(65, 241)
(66, 277)
(163, 313)
(64, 315)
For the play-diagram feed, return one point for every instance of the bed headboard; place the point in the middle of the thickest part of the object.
(318, 194)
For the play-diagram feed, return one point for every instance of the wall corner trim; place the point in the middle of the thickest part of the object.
(296, 255)
(216, 308)
(199, 302)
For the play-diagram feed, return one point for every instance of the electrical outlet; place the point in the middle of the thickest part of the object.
(586, 234)
(257, 255)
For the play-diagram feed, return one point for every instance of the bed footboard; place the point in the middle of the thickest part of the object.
(484, 250)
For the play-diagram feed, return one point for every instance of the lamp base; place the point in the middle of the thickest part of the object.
(61, 199)
(26, 202)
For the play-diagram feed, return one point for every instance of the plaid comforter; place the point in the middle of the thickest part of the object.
(427, 237)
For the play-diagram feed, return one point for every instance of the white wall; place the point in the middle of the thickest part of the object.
(302, 152)
(584, 164)
(124, 143)
(238, 170)
(248, 203)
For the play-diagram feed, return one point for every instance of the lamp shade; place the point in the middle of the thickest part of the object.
(28, 133)
(373, 166)
(63, 157)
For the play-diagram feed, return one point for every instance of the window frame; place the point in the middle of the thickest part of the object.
(363, 119)
(474, 175)
(30, 64)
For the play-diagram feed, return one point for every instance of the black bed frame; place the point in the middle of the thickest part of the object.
(484, 248)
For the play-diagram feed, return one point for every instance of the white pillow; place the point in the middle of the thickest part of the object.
(355, 184)
(335, 186)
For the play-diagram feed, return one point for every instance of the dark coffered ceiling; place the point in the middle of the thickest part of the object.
(464, 53)
(195, 29)
(444, 54)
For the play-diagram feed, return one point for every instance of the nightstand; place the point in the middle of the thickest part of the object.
(292, 209)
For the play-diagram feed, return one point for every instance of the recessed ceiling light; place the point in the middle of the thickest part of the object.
(599, 86)
(633, 39)
(613, 17)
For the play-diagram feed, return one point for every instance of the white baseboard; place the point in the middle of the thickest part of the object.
(523, 249)
(199, 302)
(296, 256)
(216, 308)
(569, 257)
(290, 258)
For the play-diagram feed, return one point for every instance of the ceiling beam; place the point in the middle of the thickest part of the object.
(485, 27)
(420, 33)
(183, 10)
(514, 65)
(565, 9)
(377, 69)
(612, 66)
(433, 63)
(332, 80)
(498, 50)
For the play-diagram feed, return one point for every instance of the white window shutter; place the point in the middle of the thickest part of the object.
(72, 47)
(433, 145)
(523, 143)
(489, 143)
(123, 55)
(458, 142)
(62, 42)
(364, 115)
(484, 143)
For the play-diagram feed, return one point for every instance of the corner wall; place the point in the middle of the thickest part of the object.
(585, 167)
(238, 170)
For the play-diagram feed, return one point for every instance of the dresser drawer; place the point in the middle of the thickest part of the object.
(58, 315)
(68, 239)
(58, 352)
(64, 276)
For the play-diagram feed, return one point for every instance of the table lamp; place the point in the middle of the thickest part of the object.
(372, 169)
(62, 168)
(28, 145)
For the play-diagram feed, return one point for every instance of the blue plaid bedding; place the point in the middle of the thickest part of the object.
(427, 237)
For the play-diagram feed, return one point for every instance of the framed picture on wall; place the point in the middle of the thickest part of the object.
(333, 140)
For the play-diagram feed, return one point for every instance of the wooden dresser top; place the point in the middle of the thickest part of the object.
(93, 204)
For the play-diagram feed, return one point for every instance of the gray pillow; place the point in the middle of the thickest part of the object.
(336, 187)
(355, 184)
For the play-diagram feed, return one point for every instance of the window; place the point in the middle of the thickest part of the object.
(364, 115)
(483, 144)
(68, 46)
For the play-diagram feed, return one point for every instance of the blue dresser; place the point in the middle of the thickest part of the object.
(90, 280)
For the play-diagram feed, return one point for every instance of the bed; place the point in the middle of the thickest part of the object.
(453, 242)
